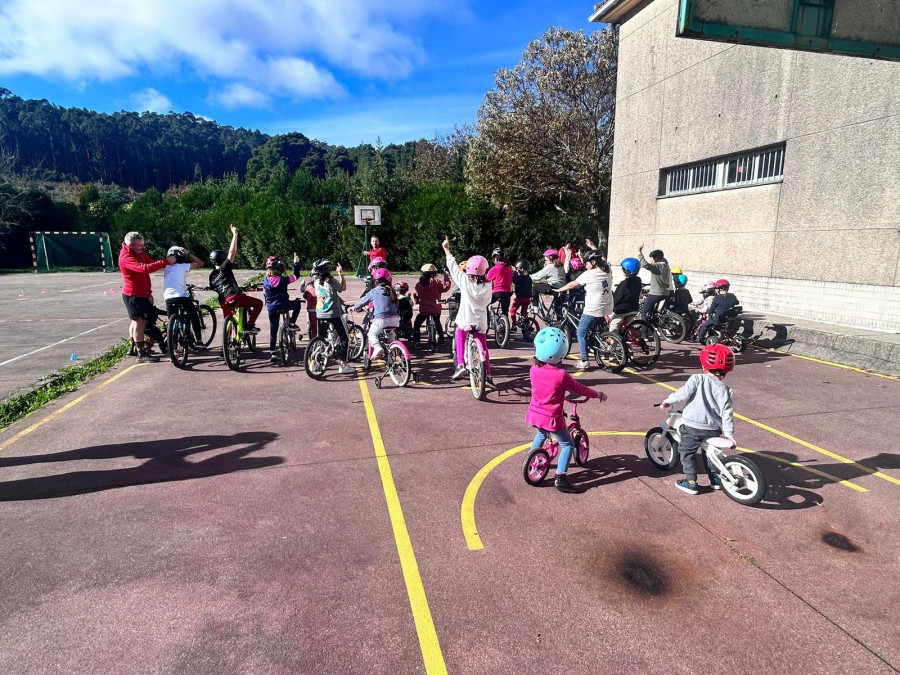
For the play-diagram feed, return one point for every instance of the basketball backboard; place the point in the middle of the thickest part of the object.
(867, 28)
(367, 215)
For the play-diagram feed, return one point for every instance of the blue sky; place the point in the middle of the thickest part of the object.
(340, 71)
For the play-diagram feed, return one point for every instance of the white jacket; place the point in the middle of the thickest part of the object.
(473, 298)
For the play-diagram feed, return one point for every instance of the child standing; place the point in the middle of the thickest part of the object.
(549, 385)
(598, 302)
(708, 413)
(275, 290)
(384, 301)
(427, 293)
(475, 296)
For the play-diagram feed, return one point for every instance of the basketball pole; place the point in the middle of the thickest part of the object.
(362, 268)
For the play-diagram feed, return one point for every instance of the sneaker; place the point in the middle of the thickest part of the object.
(274, 358)
(489, 381)
(252, 330)
(714, 482)
(377, 354)
(563, 485)
(344, 370)
(458, 373)
(582, 365)
(293, 327)
(689, 486)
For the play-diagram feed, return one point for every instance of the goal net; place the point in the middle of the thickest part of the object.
(54, 251)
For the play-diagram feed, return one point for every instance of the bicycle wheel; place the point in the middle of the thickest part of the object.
(315, 358)
(398, 365)
(581, 447)
(178, 340)
(477, 369)
(750, 485)
(292, 340)
(284, 343)
(738, 344)
(609, 352)
(357, 339)
(661, 449)
(642, 351)
(250, 341)
(673, 327)
(207, 324)
(449, 325)
(231, 345)
(431, 327)
(530, 328)
(501, 331)
(536, 466)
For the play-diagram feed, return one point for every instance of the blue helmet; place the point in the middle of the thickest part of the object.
(681, 279)
(550, 345)
(631, 264)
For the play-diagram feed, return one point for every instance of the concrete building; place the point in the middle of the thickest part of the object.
(777, 169)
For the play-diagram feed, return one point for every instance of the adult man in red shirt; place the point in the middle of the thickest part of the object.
(136, 266)
(377, 251)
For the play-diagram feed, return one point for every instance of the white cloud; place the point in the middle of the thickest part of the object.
(238, 95)
(150, 100)
(276, 47)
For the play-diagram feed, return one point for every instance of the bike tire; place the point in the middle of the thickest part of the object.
(315, 358)
(399, 367)
(356, 337)
(673, 326)
(530, 328)
(477, 370)
(712, 340)
(536, 466)
(207, 324)
(738, 344)
(431, 327)
(642, 351)
(284, 343)
(751, 487)
(178, 341)
(661, 449)
(231, 345)
(501, 331)
(581, 447)
(610, 353)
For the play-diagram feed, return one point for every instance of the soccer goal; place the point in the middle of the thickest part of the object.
(60, 250)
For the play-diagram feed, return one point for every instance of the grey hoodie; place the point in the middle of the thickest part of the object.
(660, 276)
(708, 404)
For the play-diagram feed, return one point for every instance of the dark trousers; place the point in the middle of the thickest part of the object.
(503, 298)
(420, 319)
(295, 306)
(690, 443)
(338, 323)
(172, 305)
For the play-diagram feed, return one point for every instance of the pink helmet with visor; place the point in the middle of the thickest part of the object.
(477, 265)
(376, 261)
(382, 274)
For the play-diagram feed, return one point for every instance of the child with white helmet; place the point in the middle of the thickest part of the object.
(475, 296)
(549, 384)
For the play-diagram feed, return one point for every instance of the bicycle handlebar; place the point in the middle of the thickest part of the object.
(580, 399)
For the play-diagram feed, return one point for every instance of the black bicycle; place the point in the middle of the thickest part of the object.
(670, 325)
(180, 339)
(498, 323)
(607, 347)
(287, 337)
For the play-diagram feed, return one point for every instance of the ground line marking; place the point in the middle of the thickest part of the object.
(9, 441)
(428, 639)
(784, 435)
(61, 342)
(467, 510)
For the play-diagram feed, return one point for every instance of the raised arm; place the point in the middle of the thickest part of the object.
(232, 250)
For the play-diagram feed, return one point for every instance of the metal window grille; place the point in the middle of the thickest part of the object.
(762, 166)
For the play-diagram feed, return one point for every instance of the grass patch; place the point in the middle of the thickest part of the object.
(61, 382)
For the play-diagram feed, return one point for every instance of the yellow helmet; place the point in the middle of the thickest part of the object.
(462, 265)
(675, 270)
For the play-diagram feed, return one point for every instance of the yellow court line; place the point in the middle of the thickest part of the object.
(467, 511)
(52, 416)
(793, 439)
(428, 639)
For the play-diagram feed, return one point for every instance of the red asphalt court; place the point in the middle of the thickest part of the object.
(209, 521)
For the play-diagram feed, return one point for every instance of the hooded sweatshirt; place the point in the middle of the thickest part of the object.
(136, 269)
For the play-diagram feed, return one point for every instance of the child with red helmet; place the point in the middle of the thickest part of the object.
(275, 291)
(722, 302)
(475, 296)
(708, 412)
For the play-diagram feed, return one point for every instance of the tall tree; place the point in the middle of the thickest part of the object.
(544, 134)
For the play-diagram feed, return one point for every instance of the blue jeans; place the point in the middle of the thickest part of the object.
(585, 326)
(564, 438)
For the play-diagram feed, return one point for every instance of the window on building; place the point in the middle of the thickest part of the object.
(751, 168)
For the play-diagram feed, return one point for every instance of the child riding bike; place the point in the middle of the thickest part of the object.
(384, 299)
(222, 281)
(598, 301)
(500, 276)
(176, 292)
(524, 288)
(627, 296)
(275, 291)
(427, 294)
(329, 309)
(722, 302)
(707, 414)
(549, 385)
(475, 296)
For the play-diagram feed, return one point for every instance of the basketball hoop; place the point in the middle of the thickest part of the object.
(365, 217)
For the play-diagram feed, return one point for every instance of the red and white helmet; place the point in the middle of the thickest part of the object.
(722, 283)
(717, 357)
(382, 274)
(477, 265)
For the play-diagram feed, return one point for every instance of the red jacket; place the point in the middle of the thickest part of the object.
(427, 295)
(136, 271)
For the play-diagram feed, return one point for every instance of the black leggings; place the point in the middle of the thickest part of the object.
(338, 323)
(503, 298)
(420, 319)
(295, 306)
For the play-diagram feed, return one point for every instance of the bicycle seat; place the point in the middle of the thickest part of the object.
(721, 443)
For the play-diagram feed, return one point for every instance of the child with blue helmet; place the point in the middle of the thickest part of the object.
(549, 384)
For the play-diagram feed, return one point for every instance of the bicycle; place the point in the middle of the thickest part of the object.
(547, 308)
(431, 330)
(475, 362)
(499, 324)
(397, 363)
(235, 337)
(321, 350)
(607, 347)
(740, 477)
(179, 336)
(670, 325)
(722, 332)
(641, 341)
(526, 323)
(287, 336)
(452, 310)
(537, 462)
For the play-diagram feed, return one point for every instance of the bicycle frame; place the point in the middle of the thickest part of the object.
(713, 448)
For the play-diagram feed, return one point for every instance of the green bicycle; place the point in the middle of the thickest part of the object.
(235, 337)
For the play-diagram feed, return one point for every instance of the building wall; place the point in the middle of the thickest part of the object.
(825, 242)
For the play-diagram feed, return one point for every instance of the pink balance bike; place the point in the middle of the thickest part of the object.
(537, 462)
(396, 359)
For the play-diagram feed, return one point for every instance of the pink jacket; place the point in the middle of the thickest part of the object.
(427, 295)
(549, 385)
(501, 276)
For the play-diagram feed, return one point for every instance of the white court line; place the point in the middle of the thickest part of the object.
(62, 341)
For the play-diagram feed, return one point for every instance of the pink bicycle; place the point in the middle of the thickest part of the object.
(396, 359)
(537, 462)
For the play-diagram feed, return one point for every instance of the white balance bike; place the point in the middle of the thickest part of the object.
(740, 478)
